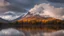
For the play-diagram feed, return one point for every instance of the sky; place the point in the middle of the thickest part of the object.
(54, 8)
(56, 1)
(25, 6)
(31, 3)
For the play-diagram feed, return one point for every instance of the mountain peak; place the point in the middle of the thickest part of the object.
(37, 17)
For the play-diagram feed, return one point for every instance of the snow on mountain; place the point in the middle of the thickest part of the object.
(11, 16)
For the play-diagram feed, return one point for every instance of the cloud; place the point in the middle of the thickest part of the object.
(30, 3)
(56, 1)
(10, 15)
(21, 3)
(47, 9)
(13, 5)
(25, 3)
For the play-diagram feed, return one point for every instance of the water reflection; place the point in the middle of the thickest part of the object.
(14, 32)
(11, 32)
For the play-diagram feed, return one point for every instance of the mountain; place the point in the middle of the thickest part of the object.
(44, 18)
(3, 21)
(29, 17)
(40, 22)
(12, 13)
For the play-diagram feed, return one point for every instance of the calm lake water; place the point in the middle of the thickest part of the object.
(15, 32)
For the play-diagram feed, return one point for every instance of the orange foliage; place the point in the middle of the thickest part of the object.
(34, 19)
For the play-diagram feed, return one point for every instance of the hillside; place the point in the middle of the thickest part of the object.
(38, 22)
(38, 18)
(30, 22)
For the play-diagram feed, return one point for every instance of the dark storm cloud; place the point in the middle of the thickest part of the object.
(21, 3)
(25, 3)
(16, 9)
(56, 1)
(18, 5)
